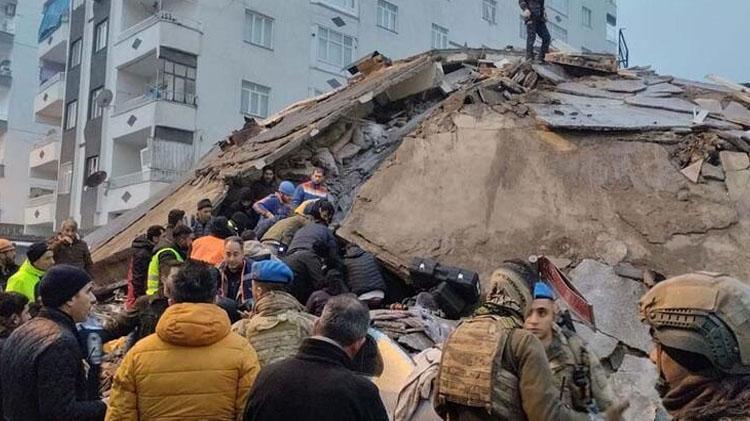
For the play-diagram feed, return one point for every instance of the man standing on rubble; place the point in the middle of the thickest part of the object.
(491, 368)
(201, 220)
(700, 326)
(535, 18)
(313, 189)
(578, 375)
(68, 248)
(178, 251)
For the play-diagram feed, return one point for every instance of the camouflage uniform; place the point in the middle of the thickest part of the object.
(578, 370)
(277, 327)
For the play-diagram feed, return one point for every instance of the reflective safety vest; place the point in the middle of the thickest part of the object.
(152, 285)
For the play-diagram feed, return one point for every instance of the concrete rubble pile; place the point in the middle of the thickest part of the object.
(470, 157)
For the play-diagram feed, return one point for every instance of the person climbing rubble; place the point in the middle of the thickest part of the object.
(143, 250)
(313, 189)
(578, 375)
(178, 251)
(520, 384)
(274, 207)
(193, 367)
(700, 327)
(278, 323)
(280, 235)
(68, 248)
(200, 223)
(535, 17)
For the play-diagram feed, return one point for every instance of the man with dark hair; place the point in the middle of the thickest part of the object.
(174, 218)
(265, 185)
(8, 264)
(278, 323)
(313, 189)
(14, 311)
(39, 258)
(178, 251)
(274, 207)
(210, 248)
(200, 223)
(234, 272)
(318, 383)
(69, 249)
(193, 367)
(42, 363)
(143, 250)
(317, 232)
(535, 18)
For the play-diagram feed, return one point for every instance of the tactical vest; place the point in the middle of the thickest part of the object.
(152, 284)
(471, 371)
(277, 337)
(581, 399)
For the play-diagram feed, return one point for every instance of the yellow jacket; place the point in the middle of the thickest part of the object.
(193, 367)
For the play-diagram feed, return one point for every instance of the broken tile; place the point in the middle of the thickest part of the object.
(734, 161)
(712, 172)
(712, 105)
(693, 171)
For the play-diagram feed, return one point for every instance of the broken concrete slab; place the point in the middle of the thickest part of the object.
(627, 270)
(738, 186)
(712, 172)
(734, 161)
(621, 85)
(693, 171)
(586, 90)
(602, 62)
(635, 381)
(737, 113)
(610, 250)
(600, 344)
(616, 314)
(664, 88)
(670, 104)
(710, 104)
(609, 117)
(552, 72)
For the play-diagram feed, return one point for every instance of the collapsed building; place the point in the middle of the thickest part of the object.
(475, 156)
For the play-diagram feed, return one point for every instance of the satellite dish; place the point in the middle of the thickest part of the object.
(95, 179)
(104, 98)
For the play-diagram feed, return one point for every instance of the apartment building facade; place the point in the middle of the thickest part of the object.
(150, 85)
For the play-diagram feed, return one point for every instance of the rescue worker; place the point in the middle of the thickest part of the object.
(200, 223)
(69, 249)
(363, 276)
(178, 250)
(39, 259)
(143, 250)
(700, 326)
(280, 235)
(210, 248)
(8, 264)
(273, 207)
(579, 377)
(535, 17)
(491, 368)
(174, 218)
(312, 190)
(234, 272)
(265, 185)
(278, 323)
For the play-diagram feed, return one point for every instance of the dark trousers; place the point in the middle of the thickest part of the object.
(536, 27)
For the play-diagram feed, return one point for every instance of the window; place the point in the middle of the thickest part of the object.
(101, 32)
(561, 6)
(92, 165)
(95, 111)
(334, 47)
(439, 37)
(75, 53)
(611, 28)
(258, 29)
(586, 17)
(348, 5)
(66, 176)
(177, 82)
(558, 32)
(71, 115)
(387, 13)
(254, 99)
(489, 11)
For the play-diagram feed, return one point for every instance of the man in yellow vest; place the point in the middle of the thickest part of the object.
(178, 251)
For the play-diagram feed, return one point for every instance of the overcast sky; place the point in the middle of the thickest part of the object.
(689, 38)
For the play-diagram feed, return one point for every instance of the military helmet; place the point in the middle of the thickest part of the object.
(510, 287)
(707, 314)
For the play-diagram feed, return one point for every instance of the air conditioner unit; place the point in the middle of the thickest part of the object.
(145, 159)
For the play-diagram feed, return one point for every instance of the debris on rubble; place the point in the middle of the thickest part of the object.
(415, 329)
(601, 62)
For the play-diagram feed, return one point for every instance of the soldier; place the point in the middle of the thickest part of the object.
(700, 326)
(278, 323)
(578, 375)
(493, 369)
(535, 18)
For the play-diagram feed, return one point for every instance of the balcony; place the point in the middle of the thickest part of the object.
(40, 210)
(162, 29)
(54, 46)
(151, 110)
(7, 28)
(51, 97)
(43, 158)
(128, 191)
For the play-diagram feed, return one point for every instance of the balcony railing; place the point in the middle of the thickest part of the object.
(154, 93)
(161, 16)
(58, 77)
(146, 176)
(40, 200)
(7, 25)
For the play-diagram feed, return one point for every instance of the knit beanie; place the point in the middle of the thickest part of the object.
(61, 283)
(36, 251)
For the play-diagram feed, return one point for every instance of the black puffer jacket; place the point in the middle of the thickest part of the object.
(362, 271)
(42, 372)
(138, 272)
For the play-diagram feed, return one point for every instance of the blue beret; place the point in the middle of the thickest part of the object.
(543, 291)
(272, 272)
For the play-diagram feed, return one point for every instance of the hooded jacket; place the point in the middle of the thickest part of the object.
(138, 269)
(193, 367)
(25, 280)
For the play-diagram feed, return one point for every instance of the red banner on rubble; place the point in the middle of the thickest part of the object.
(566, 291)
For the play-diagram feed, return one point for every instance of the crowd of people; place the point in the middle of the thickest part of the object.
(265, 316)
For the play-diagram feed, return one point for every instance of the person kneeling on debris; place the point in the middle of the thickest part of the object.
(274, 207)
(280, 235)
(700, 326)
(178, 250)
(278, 323)
(42, 364)
(363, 276)
(578, 375)
(210, 248)
(235, 272)
(193, 367)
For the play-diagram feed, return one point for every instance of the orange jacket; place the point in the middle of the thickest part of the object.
(208, 249)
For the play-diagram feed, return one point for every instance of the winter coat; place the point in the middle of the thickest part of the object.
(208, 249)
(199, 228)
(76, 253)
(284, 230)
(43, 374)
(143, 249)
(5, 274)
(318, 384)
(536, 7)
(309, 275)
(236, 285)
(362, 272)
(25, 281)
(193, 367)
(140, 320)
(309, 235)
